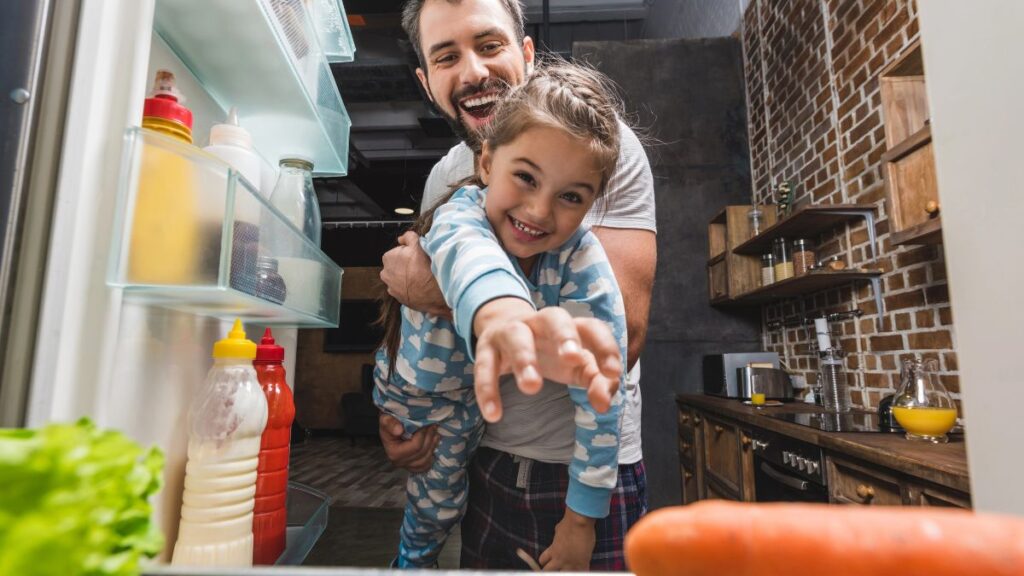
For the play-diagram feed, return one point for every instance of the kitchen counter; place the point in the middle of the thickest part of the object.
(942, 464)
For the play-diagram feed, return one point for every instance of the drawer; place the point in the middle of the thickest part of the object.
(928, 495)
(851, 483)
(687, 452)
(688, 421)
(714, 492)
(722, 453)
(688, 476)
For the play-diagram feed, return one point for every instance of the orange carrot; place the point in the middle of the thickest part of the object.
(719, 538)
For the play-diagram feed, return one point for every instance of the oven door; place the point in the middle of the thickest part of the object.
(773, 484)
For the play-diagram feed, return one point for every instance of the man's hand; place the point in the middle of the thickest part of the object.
(407, 275)
(573, 545)
(415, 454)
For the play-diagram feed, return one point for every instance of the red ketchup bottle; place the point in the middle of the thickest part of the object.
(269, 517)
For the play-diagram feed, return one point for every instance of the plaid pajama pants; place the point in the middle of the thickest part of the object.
(516, 503)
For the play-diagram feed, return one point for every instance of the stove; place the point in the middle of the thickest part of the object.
(835, 421)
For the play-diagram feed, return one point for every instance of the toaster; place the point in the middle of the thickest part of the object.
(772, 382)
(721, 371)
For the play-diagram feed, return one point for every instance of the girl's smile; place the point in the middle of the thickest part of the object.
(540, 186)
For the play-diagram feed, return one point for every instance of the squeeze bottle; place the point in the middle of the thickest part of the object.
(165, 228)
(225, 424)
(233, 144)
(270, 517)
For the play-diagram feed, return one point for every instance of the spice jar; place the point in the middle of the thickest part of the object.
(803, 256)
(767, 269)
(269, 283)
(783, 264)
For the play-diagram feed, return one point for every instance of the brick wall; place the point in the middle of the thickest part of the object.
(811, 70)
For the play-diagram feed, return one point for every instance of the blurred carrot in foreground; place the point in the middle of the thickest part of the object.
(722, 538)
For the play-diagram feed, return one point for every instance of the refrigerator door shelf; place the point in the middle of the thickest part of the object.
(191, 235)
(265, 58)
(333, 30)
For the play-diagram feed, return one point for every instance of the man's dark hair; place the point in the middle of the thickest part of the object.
(411, 22)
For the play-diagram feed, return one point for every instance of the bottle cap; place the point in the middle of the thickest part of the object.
(296, 161)
(230, 133)
(268, 351)
(165, 101)
(235, 345)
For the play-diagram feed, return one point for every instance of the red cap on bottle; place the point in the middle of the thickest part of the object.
(268, 351)
(164, 101)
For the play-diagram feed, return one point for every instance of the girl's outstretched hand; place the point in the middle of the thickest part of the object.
(533, 345)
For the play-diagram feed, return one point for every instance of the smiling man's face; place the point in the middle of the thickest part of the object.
(471, 59)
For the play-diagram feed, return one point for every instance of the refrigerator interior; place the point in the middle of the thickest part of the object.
(126, 365)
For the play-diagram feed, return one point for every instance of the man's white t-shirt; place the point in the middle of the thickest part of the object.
(541, 427)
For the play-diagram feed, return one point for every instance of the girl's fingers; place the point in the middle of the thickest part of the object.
(597, 337)
(589, 377)
(516, 342)
(555, 325)
(485, 382)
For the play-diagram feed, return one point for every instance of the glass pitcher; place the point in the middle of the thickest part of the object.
(923, 406)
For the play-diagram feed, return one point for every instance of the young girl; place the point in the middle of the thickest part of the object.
(507, 241)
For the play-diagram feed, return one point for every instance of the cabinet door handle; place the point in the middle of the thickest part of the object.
(684, 419)
(865, 492)
(687, 475)
(718, 429)
(684, 446)
(696, 420)
(745, 441)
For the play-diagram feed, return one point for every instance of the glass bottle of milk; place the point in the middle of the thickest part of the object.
(225, 425)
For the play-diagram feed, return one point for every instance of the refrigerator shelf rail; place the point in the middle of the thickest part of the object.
(333, 30)
(190, 234)
(265, 58)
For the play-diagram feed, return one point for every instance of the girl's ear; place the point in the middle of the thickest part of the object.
(485, 163)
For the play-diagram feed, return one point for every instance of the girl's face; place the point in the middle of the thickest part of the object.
(540, 186)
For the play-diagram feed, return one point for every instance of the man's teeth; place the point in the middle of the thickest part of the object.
(520, 226)
(481, 101)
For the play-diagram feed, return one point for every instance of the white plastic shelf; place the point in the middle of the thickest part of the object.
(193, 236)
(265, 58)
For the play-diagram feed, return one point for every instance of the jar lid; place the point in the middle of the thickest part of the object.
(802, 242)
(767, 257)
(779, 241)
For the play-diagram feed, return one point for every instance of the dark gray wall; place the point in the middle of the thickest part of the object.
(689, 96)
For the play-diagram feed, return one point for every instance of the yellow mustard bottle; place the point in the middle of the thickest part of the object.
(165, 229)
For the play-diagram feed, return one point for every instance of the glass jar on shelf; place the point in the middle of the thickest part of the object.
(755, 215)
(783, 263)
(923, 406)
(767, 269)
(803, 256)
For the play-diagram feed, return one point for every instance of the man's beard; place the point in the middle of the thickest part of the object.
(462, 131)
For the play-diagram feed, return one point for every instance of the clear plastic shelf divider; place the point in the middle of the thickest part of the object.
(193, 236)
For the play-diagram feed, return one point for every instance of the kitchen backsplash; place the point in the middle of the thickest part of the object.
(811, 71)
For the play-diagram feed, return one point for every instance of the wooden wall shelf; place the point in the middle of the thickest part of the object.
(806, 222)
(802, 285)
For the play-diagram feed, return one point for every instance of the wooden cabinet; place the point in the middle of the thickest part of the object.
(850, 483)
(731, 274)
(908, 165)
(728, 459)
(716, 460)
(691, 463)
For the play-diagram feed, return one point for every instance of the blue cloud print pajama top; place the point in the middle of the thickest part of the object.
(433, 383)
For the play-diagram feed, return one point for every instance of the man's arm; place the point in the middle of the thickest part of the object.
(633, 254)
(406, 273)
